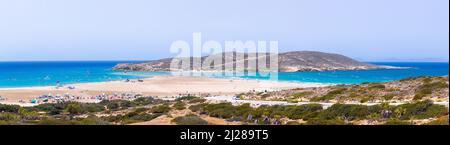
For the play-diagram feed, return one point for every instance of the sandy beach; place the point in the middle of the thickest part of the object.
(160, 86)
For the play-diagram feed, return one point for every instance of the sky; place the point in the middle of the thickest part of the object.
(367, 30)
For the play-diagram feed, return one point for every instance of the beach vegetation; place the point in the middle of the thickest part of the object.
(366, 98)
(141, 110)
(315, 112)
(187, 98)
(74, 108)
(91, 120)
(388, 97)
(304, 112)
(330, 95)
(190, 120)
(353, 95)
(349, 112)
(419, 96)
(7, 116)
(28, 114)
(409, 79)
(292, 101)
(421, 110)
(221, 110)
(144, 101)
(427, 80)
(197, 108)
(51, 109)
(197, 100)
(325, 122)
(138, 115)
(428, 88)
(164, 108)
(265, 95)
(179, 105)
(9, 108)
(301, 94)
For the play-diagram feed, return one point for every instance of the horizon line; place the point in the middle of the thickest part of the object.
(112, 60)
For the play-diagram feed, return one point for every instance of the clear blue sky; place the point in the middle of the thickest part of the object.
(369, 30)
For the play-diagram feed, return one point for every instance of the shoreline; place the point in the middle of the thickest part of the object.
(156, 86)
(149, 77)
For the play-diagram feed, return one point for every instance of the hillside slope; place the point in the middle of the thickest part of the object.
(287, 62)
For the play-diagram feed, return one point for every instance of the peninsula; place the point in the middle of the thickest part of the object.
(294, 61)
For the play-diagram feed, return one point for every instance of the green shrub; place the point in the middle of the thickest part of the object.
(52, 109)
(419, 96)
(433, 111)
(186, 98)
(292, 101)
(353, 95)
(388, 97)
(92, 107)
(364, 99)
(428, 88)
(197, 100)
(317, 99)
(266, 95)
(117, 104)
(189, 120)
(9, 108)
(422, 110)
(329, 96)
(144, 101)
(301, 94)
(141, 110)
(179, 105)
(350, 112)
(197, 108)
(427, 80)
(132, 117)
(6, 116)
(74, 108)
(325, 122)
(221, 110)
(161, 109)
(144, 117)
(302, 111)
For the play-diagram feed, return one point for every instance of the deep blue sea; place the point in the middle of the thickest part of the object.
(25, 74)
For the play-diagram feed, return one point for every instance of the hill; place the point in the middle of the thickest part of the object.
(287, 62)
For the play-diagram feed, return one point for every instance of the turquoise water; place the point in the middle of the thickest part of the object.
(378, 75)
(25, 74)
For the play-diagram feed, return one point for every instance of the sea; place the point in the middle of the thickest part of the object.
(28, 74)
